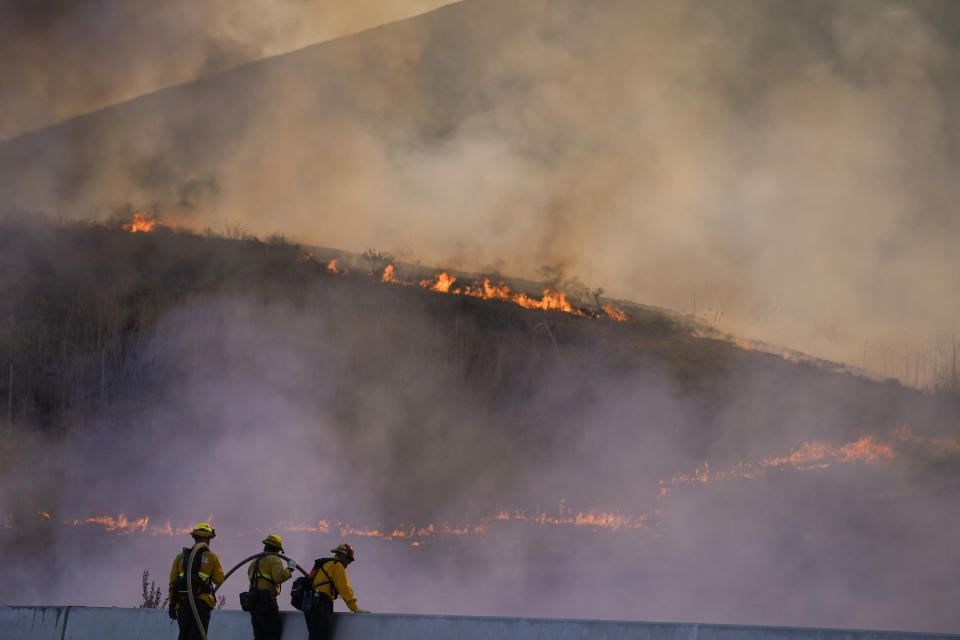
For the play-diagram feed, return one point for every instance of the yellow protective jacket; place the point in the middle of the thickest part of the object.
(339, 577)
(210, 571)
(271, 567)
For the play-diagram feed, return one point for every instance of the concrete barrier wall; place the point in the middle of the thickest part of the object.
(94, 623)
(35, 623)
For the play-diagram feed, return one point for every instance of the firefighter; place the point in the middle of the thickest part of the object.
(265, 574)
(329, 581)
(206, 572)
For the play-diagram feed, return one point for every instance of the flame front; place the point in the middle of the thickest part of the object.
(142, 223)
(808, 457)
(442, 283)
(614, 313)
(120, 524)
(388, 275)
(594, 519)
(551, 300)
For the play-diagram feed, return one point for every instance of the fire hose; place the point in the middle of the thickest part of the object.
(189, 571)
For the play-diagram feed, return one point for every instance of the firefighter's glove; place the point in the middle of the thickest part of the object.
(172, 611)
(291, 564)
(359, 610)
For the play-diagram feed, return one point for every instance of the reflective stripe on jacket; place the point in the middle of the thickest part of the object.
(210, 571)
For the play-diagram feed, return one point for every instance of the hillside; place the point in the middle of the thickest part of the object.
(671, 153)
(135, 356)
(79, 298)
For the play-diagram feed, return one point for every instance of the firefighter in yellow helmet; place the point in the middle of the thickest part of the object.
(329, 581)
(265, 574)
(206, 572)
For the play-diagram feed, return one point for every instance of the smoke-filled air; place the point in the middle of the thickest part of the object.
(630, 309)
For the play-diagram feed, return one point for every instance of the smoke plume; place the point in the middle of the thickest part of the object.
(779, 170)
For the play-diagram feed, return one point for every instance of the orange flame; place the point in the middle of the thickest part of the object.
(594, 519)
(865, 450)
(442, 283)
(119, 524)
(614, 313)
(142, 222)
(388, 275)
(551, 300)
(809, 456)
(862, 450)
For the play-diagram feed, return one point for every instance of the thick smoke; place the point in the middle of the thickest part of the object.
(780, 169)
(349, 405)
(62, 59)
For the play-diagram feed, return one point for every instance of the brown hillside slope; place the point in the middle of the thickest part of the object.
(149, 365)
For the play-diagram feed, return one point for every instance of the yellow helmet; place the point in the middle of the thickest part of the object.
(204, 530)
(274, 540)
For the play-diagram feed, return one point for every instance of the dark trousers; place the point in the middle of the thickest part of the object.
(187, 623)
(320, 618)
(266, 621)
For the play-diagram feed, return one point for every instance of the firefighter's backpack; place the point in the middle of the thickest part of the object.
(199, 585)
(303, 596)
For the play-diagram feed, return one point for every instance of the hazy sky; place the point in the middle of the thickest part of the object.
(61, 58)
